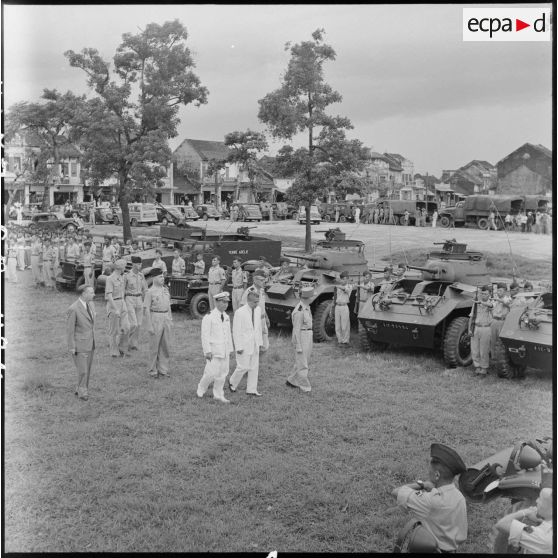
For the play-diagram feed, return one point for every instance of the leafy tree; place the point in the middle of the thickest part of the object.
(52, 123)
(299, 106)
(244, 150)
(135, 110)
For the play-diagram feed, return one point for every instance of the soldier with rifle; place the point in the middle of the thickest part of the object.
(480, 320)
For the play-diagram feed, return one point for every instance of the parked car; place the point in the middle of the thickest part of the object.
(315, 217)
(189, 213)
(282, 210)
(208, 211)
(170, 214)
(50, 222)
(139, 213)
(249, 212)
(103, 215)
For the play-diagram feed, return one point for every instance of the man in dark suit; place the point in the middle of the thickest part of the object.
(81, 338)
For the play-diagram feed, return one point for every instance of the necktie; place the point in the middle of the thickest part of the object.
(253, 316)
(222, 317)
(89, 311)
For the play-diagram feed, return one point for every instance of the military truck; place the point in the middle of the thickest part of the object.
(398, 208)
(191, 290)
(475, 210)
(430, 311)
(526, 338)
(319, 270)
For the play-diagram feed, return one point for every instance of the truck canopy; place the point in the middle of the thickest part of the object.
(502, 204)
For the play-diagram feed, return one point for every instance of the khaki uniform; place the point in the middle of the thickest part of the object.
(35, 263)
(11, 264)
(118, 325)
(442, 511)
(302, 341)
(109, 255)
(216, 277)
(157, 303)
(342, 317)
(88, 273)
(239, 281)
(263, 297)
(366, 291)
(480, 342)
(48, 257)
(134, 291)
(161, 265)
(199, 267)
(499, 313)
(178, 267)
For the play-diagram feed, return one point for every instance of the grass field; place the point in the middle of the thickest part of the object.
(145, 466)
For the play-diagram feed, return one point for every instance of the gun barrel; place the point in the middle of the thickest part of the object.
(309, 258)
(432, 270)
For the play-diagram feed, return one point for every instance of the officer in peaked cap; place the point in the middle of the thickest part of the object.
(259, 278)
(448, 457)
(301, 317)
(438, 503)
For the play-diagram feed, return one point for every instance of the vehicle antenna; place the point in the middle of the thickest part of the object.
(499, 216)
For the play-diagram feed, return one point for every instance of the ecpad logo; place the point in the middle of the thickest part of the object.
(507, 24)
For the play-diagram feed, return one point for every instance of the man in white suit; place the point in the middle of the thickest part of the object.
(80, 327)
(217, 345)
(247, 335)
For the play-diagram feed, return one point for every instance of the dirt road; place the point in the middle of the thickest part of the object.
(380, 240)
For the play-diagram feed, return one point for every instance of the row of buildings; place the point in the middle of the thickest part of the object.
(526, 170)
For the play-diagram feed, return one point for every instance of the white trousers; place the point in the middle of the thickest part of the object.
(247, 364)
(215, 372)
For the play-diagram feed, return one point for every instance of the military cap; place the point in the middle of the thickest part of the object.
(344, 274)
(156, 272)
(448, 457)
(307, 292)
(284, 259)
(136, 259)
(259, 273)
(222, 296)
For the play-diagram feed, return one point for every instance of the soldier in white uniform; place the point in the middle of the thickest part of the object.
(239, 279)
(217, 345)
(259, 279)
(135, 288)
(217, 279)
(437, 503)
(158, 319)
(247, 335)
(302, 340)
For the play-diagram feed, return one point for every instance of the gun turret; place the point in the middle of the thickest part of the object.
(452, 246)
(333, 234)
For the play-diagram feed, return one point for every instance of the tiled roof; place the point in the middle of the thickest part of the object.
(540, 148)
(208, 150)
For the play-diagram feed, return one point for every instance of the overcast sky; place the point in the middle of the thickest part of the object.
(409, 83)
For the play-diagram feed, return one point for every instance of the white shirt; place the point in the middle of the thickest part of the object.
(442, 511)
(537, 541)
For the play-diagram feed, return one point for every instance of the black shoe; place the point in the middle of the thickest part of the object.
(231, 388)
(291, 385)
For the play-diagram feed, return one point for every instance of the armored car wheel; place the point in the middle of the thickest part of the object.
(199, 305)
(505, 368)
(457, 343)
(323, 324)
(366, 343)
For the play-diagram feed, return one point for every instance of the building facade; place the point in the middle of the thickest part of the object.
(527, 170)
